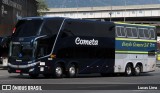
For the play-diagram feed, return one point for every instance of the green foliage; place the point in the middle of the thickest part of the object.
(42, 6)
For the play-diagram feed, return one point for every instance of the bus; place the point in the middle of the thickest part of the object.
(58, 47)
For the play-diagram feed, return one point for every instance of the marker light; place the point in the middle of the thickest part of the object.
(14, 29)
(53, 56)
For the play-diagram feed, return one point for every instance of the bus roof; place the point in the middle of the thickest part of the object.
(133, 24)
(47, 18)
(32, 18)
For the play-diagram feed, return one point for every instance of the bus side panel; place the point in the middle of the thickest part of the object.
(150, 63)
(91, 59)
(96, 66)
(121, 60)
(135, 50)
(73, 45)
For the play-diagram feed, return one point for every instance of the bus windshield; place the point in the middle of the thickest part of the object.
(27, 28)
(22, 51)
(36, 27)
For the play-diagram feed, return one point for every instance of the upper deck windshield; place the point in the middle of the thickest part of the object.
(27, 28)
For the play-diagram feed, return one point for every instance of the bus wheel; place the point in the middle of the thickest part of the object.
(72, 71)
(58, 71)
(137, 70)
(128, 70)
(33, 76)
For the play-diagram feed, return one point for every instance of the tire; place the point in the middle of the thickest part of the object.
(137, 70)
(72, 71)
(58, 71)
(33, 76)
(128, 70)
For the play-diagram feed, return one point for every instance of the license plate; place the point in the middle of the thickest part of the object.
(18, 71)
(19, 60)
(41, 68)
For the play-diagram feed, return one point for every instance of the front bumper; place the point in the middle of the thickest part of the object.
(29, 68)
(33, 68)
(23, 66)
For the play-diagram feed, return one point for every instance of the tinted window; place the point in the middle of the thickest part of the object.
(120, 31)
(89, 28)
(129, 32)
(141, 32)
(123, 31)
(51, 27)
(85, 52)
(134, 31)
(152, 33)
(22, 51)
(147, 34)
(27, 28)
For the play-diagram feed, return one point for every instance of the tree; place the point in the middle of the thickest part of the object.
(42, 6)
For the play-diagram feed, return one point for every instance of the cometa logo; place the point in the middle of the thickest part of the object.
(80, 41)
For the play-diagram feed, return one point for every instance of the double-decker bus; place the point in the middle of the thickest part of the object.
(55, 46)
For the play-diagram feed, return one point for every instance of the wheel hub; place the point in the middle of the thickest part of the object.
(137, 69)
(129, 71)
(72, 70)
(58, 70)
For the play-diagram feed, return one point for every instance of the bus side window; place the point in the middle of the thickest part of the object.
(120, 32)
(123, 32)
(141, 32)
(146, 33)
(129, 31)
(152, 33)
(134, 32)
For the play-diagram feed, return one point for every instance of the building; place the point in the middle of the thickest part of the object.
(12, 10)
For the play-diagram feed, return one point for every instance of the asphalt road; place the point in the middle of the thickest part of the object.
(91, 82)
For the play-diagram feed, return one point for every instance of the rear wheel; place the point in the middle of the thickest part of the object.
(58, 71)
(128, 70)
(72, 71)
(137, 70)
